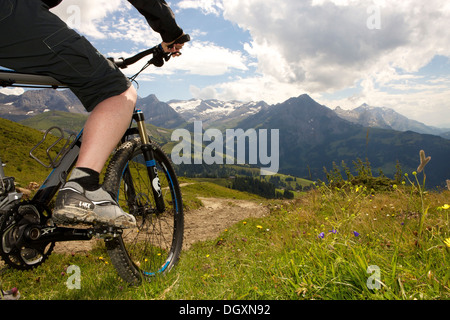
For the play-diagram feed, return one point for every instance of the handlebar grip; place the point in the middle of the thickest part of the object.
(184, 38)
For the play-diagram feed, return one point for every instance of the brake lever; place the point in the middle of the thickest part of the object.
(160, 56)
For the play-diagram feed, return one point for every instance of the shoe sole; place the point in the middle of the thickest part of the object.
(75, 215)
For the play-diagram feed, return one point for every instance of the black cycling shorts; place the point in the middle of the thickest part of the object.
(34, 40)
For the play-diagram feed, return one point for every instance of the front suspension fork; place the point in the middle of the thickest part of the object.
(150, 162)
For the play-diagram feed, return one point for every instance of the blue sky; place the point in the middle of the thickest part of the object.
(341, 52)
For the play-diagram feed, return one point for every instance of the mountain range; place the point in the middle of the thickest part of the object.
(386, 118)
(312, 136)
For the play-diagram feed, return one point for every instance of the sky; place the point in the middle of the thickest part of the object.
(385, 53)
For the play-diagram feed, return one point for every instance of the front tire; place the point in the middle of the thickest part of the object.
(154, 247)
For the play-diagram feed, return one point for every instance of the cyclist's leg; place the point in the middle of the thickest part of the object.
(104, 128)
(34, 40)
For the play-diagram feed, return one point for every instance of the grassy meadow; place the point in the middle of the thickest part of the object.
(348, 239)
(331, 243)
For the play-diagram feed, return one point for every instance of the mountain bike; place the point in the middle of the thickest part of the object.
(140, 175)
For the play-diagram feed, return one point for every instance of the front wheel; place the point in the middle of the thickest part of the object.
(155, 245)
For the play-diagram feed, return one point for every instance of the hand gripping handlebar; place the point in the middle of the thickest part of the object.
(159, 56)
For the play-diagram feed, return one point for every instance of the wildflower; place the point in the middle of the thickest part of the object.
(447, 242)
(394, 186)
(445, 207)
(356, 234)
(333, 231)
(100, 258)
(423, 161)
(259, 227)
(322, 235)
(15, 291)
(245, 222)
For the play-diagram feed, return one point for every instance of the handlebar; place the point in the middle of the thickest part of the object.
(159, 55)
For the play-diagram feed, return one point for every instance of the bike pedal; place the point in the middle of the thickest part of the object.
(106, 233)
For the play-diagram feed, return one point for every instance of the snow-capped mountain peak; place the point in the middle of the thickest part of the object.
(212, 110)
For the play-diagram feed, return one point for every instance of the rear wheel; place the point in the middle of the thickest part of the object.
(153, 247)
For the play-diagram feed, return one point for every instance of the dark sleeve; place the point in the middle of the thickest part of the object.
(52, 3)
(160, 18)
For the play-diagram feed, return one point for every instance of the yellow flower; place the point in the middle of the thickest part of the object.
(447, 242)
(245, 222)
(445, 207)
(259, 227)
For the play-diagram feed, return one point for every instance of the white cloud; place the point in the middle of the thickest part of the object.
(132, 29)
(208, 59)
(257, 88)
(326, 46)
(86, 15)
(206, 6)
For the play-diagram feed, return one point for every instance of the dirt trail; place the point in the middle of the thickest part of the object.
(205, 223)
(216, 215)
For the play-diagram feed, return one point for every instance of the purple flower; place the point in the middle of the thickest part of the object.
(356, 234)
(333, 231)
(322, 235)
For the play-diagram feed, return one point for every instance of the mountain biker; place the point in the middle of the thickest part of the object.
(34, 40)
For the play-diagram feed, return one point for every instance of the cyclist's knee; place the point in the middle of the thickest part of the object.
(131, 95)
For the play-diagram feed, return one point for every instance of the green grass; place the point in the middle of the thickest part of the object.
(68, 121)
(16, 142)
(284, 255)
(290, 254)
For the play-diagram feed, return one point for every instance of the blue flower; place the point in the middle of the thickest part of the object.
(322, 235)
(356, 234)
(333, 231)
